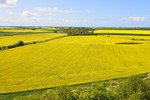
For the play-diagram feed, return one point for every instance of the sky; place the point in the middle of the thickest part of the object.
(88, 13)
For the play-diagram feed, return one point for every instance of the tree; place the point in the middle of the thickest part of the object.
(131, 87)
(20, 43)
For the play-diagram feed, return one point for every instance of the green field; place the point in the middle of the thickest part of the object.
(73, 60)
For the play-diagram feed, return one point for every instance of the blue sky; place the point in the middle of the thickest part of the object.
(94, 13)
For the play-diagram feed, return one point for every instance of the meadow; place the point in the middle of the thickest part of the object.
(74, 60)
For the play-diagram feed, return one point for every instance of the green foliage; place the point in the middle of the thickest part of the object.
(135, 83)
(147, 94)
(64, 93)
(20, 43)
(34, 42)
(49, 95)
(139, 95)
(33, 28)
(132, 87)
(28, 97)
(99, 92)
(79, 31)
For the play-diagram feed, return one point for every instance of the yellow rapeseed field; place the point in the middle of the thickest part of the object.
(24, 31)
(9, 40)
(124, 31)
(72, 60)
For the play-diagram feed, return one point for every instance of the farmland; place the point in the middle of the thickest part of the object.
(11, 31)
(8, 40)
(12, 35)
(125, 32)
(73, 59)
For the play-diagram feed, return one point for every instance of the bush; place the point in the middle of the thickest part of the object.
(99, 92)
(33, 29)
(48, 95)
(20, 43)
(139, 95)
(131, 87)
(34, 42)
(64, 93)
(11, 46)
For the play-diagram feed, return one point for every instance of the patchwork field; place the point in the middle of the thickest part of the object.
(73, 60)
(11, 31)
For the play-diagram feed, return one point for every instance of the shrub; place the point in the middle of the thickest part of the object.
(20, 43)
(11, 46)
(34, 41)
(64, 93)
(130, 87)
(48, 95)
(139, 95)
(33, 29)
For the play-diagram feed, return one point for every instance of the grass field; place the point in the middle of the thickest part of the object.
(73, 60)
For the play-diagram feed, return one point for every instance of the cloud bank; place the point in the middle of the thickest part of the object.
(28, 14)
(136, 19)
(53, 11)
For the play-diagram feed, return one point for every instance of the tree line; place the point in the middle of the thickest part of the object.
(79, 31)
(18, 44)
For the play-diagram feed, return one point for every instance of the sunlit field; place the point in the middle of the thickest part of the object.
(124, 31)
(9, 40)
(73, 60)
(24, 31)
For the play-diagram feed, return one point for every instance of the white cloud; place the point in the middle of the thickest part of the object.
(51, 14)
(10, 13)
(8, 3)
(28, 14)
(3, 19)
(54, 10)
(88, 11)
(68, 11)
(137, 19)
